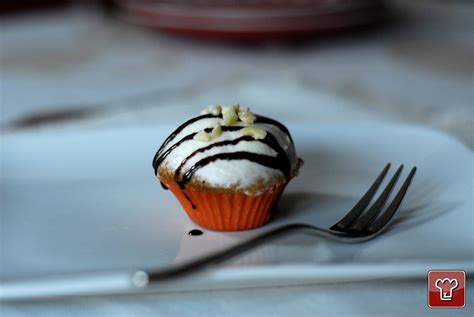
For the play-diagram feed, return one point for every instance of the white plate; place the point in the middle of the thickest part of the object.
(88, 202)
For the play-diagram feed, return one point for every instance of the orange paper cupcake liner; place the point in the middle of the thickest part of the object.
(227, 212)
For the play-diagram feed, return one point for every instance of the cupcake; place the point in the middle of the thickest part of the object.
(227, 167)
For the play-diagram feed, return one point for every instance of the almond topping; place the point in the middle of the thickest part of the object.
(229, 116)
(216, 132)
(254, 132)
(212, 109)
(202, 136)
(247, 117)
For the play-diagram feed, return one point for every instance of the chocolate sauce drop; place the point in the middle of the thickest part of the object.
(195, 232)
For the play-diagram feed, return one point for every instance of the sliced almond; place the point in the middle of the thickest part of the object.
(216, 132)
(215, 109)
(228, 110)
(230, 119)
(212, 109)
(247, 117)
(229, 115)
(202, 136)
(254, 132)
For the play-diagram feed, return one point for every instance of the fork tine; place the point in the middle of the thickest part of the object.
(360, 206)
(393, 207)
(363, 222)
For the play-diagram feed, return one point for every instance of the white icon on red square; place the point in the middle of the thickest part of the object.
(446, 289)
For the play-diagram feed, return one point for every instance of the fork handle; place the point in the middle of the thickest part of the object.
(102, 283)
(221, 256)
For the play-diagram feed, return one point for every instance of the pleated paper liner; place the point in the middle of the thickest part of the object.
(227, 212)
(230, 212)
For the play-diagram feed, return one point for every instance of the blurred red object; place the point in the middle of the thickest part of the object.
(251, 19)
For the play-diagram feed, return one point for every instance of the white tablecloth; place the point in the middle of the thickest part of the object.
(78, 60)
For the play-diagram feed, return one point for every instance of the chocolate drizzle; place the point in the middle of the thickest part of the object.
(189, 199)
(265, 160)
(262, 119)
(206, 148)
(159, 159)
(175, 133)
(281, 161)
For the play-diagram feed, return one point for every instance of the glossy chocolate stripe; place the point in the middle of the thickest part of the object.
(189, 199)
(159, 159)
(211, 146)
(282, 127)
(265, 160)
(222, 143)
(178, 130)
(260, 119)
(269, 140)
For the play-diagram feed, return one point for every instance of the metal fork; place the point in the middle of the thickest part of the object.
(355, 227)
